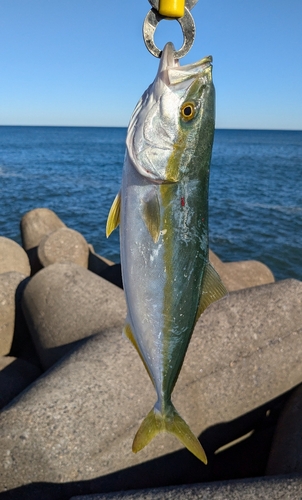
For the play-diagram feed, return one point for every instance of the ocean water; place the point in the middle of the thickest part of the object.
(255, 188)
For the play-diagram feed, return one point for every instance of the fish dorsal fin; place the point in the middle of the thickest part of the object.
(113, 219)
(213, 289)
(151, 215)
(127, 331)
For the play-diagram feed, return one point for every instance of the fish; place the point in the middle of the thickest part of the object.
(162, 210)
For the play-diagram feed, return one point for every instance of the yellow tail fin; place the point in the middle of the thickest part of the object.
(156, 422)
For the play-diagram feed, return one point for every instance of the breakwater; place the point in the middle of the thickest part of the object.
(73, 391)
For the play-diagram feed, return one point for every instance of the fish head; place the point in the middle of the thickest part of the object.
(172, 119)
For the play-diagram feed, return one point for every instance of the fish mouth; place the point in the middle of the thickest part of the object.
(171, 73)
(167, 58)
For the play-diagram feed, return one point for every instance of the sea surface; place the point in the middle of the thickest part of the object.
(255, 188)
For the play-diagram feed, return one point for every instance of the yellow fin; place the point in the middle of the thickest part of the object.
(156, 422)
(129, 334)
(212, 289)
(113, 219)
(151, 216)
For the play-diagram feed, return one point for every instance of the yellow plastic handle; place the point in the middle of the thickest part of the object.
(172, 8)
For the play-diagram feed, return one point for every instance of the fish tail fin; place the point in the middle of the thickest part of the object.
(170, 421)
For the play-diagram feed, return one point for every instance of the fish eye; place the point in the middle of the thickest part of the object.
(187, 111)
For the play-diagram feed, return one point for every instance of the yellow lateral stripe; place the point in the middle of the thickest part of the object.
(114, 215)
(172, 8)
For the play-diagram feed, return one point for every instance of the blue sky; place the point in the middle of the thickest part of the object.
(83, 62)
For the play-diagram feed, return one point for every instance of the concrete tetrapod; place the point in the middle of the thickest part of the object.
(78, 420)
(65, 303)
(63, 245)
(36, 223)
(9, 283)
(242, 274)
(248, 489)
(15, 375)
(12, 257)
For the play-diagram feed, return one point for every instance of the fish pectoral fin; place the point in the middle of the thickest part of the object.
(114, 215)
(213, 289)
(151, 215)
(156, 422)
(127, 331)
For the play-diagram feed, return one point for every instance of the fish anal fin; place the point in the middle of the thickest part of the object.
(127, 331)
(213, 289)
(156, 422)
(113, 219)
(151, 214)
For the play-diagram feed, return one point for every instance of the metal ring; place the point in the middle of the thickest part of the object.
(188, 30)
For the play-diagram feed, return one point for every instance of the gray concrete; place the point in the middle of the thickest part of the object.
(9, 283)
(242, 274)
(79, 419)
(36, 224)
(289, 488)
(15, 376)
(12, 257)
(249, 349)
(63, 245)
(64, 303)
(22, 345)
(286, 452)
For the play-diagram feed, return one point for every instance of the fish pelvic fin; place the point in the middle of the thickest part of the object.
(114, 215)
(170, 421)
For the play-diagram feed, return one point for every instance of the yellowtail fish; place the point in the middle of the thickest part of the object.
(162, 209)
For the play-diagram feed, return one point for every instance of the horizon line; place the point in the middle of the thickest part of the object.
(126, 126)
